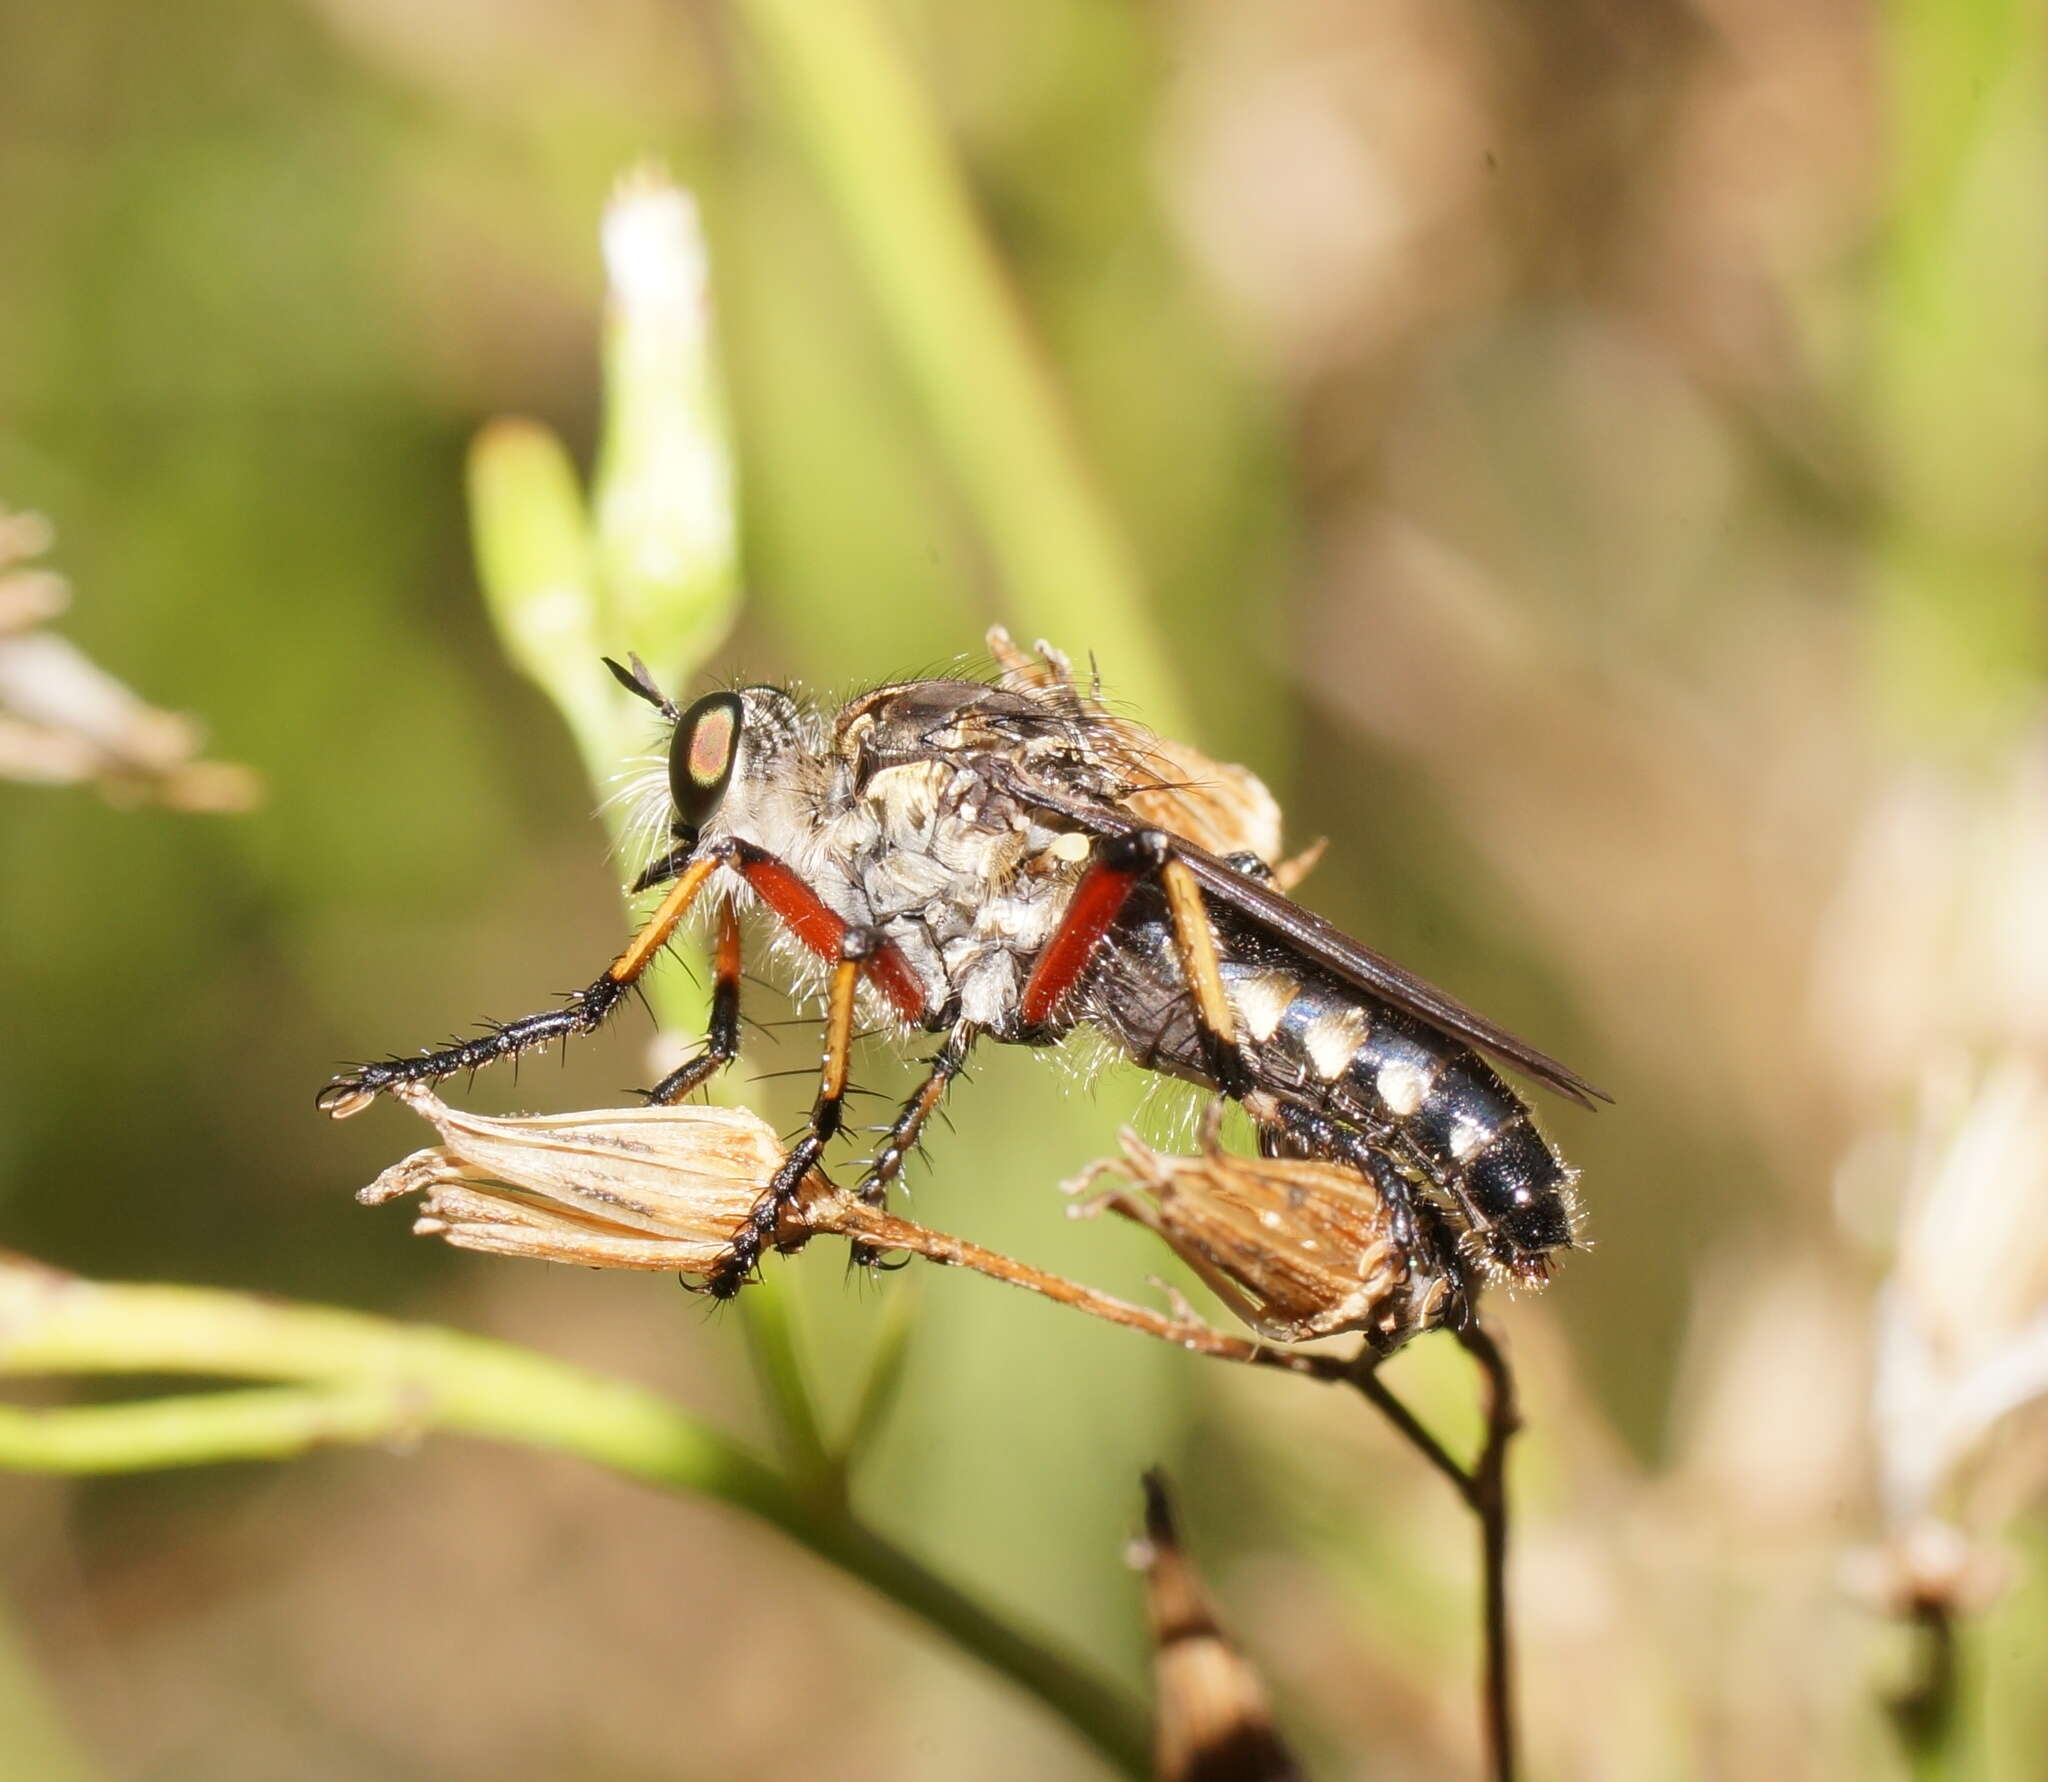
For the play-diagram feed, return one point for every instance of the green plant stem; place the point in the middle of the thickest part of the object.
(769, 1324)
(360, 1379)
(878, 150)
(552, 588)
(883, 1385)
(1483, 1487)
(561, 591)
(199, 1429)
(33, 1735)
(1924, 1714)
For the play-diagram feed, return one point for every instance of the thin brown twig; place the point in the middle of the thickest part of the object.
(1490, 1503)
(1364, 1375)
(1482, 1487)
(885, 1232)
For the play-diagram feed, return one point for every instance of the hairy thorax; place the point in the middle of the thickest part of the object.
(966, 881)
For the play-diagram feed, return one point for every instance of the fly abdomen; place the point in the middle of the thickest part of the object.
(1516, 1192)
(1462, 1109)
(1380, 1068)
(1528, 1194)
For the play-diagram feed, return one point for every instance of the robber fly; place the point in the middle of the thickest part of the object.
(1007, 861)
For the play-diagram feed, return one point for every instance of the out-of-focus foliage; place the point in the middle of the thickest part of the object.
(1583, 457)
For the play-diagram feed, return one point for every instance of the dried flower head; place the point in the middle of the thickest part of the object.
(1297, 1249)
(651, 1188)
(1214, 1719)
(1962, 1324)
(1216, 804)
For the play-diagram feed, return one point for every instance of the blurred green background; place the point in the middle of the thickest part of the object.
(1585, 458)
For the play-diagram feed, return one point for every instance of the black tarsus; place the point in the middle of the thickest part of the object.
(900, 1138)
(583, 1013)
(920, 1106)
(721, 1047)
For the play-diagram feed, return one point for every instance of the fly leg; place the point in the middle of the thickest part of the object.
(582, 1013)
(1120, 865)
(908, 1126)
(857, 947)
(902, 1134)
(855, 952)
(1195, 940)
(1418, 1226)
(722, 1041)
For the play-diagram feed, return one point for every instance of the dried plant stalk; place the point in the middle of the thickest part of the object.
(1217, 805)
(1299, 1249)
(667, 1188)
(1212, 1721)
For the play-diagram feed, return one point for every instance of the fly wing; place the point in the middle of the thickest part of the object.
(1330, 947)
(1215, 804)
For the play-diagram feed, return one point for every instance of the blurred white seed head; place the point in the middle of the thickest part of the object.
(1961, 1337)
(28, 594)
(1962, 1322)
(1932, 960)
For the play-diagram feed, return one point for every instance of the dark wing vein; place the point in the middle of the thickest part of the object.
(1330, 947)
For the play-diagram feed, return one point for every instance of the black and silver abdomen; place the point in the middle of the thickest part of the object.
(1317, 1045)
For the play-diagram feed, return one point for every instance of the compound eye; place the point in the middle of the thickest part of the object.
(700, 760)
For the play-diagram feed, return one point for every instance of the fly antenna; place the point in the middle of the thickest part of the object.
(638, 682)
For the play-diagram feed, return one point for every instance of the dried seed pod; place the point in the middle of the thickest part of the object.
(1215, 804)
(652, 1188)
(1298, 1249)
(1212, 1719)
